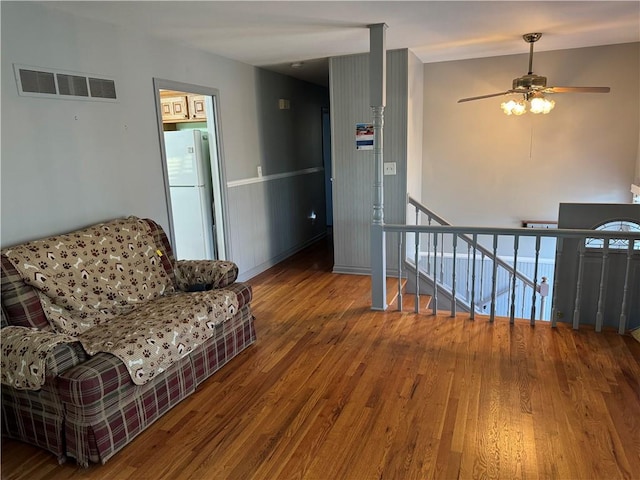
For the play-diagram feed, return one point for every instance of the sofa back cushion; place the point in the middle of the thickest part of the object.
(166, 252)
(86, 277)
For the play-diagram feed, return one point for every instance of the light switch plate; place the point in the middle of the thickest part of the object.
(389, 168)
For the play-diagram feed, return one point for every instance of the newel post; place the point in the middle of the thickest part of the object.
(377, 94)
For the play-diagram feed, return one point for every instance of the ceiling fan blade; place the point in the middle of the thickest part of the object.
(485, 96)
(577, 90)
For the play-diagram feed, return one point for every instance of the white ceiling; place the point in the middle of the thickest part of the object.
(274, 34)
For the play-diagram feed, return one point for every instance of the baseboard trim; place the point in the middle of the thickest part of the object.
(349, 270)
(249, 274)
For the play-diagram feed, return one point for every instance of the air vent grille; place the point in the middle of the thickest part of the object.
(102, 88)
(72, 85)
(37, 82)
(49, 83)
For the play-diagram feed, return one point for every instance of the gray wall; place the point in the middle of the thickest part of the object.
(281, 202)
(353, 170)
(70, 163)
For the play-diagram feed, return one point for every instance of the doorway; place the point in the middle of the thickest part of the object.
(193, 170)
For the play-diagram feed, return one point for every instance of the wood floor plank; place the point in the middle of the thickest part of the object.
(333, 390)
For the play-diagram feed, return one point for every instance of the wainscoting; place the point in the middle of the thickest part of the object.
(272, 217)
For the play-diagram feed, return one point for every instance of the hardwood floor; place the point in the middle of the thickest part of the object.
(333, 390)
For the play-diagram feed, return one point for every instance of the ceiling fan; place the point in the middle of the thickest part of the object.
(533, 87)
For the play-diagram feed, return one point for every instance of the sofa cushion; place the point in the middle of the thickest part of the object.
(156, 334)
(166, 252)
(86, 277)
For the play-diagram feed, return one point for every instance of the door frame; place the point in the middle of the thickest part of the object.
(216, 151)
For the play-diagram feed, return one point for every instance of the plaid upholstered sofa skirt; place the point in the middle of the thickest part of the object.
(88, 407)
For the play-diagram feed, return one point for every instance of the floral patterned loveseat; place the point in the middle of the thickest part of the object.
(103, 331)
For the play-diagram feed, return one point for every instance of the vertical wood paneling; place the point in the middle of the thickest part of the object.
(415, 125)
(353, 170)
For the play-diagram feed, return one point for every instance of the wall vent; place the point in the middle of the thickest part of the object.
(33, 81)
(75, 85)
(51, 83)
(102, 88)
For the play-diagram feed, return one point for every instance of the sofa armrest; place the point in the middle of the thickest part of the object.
(27, 353)
(63, 357)
(205, 274)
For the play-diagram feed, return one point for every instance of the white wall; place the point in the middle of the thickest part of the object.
(481, 167)
(70, 163)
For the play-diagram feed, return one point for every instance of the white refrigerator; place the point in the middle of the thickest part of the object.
(189, 174)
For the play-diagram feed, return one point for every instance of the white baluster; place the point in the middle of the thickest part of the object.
(453, 276)
(442, 259)
(473, 278)
(435, 281)
(543, 288)
(428, 252)
(416, 307)
(509, 292)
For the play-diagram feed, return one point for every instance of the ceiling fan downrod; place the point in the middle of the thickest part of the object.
(531, 38)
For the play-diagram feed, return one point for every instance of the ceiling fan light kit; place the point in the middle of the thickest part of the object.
(533, 88)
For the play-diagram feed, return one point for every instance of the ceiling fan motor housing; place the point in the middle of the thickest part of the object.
(531, 81)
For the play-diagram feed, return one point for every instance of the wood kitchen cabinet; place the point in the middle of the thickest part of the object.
(197, 107)
(178, 108)
(174, 109)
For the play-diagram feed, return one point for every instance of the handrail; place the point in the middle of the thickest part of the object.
(423, 209)
(526, 280)
(523, 232)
